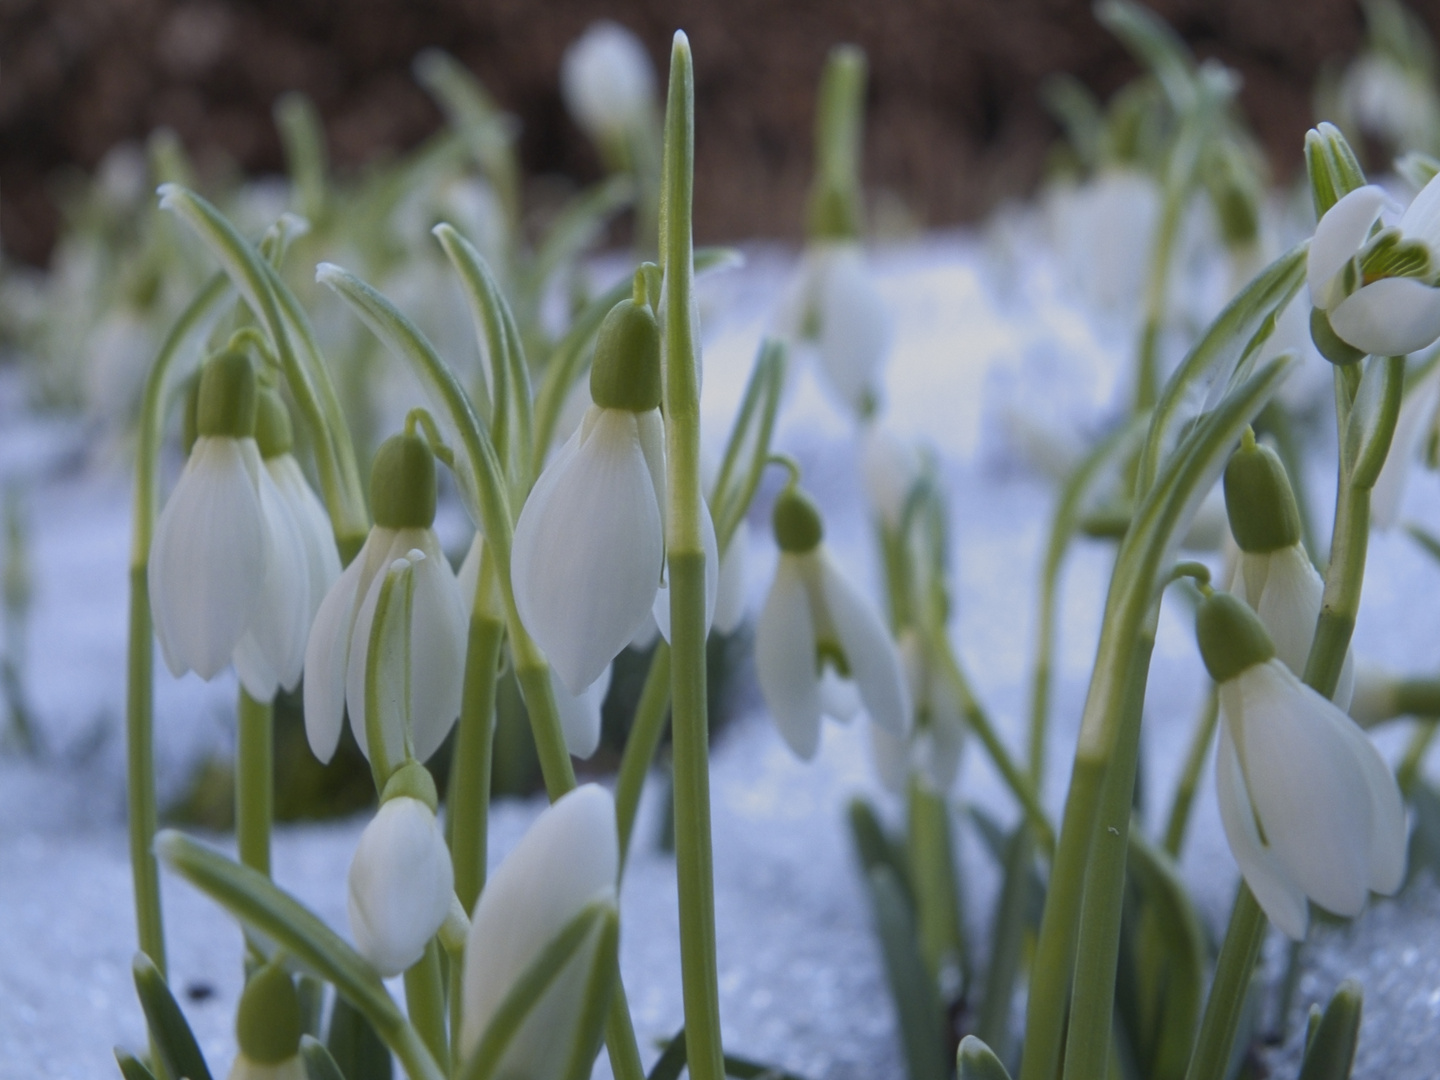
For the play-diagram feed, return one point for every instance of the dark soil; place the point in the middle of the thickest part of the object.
(955, 123)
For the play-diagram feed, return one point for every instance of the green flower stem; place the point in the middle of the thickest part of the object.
(425, 1003)
(1408, 771)
(937, 900)
(1233, 971)
(693, 858)
(140, 674)
(1179, 819)
(646, 729)
(254, 781)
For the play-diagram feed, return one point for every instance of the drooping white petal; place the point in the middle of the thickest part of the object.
(207, 558)
(660, 609)
(1306, 785)
(1386, 847)
(650, 429)
(580, 716)
(569, 859)
(869, 649)
(1338, 236)
(588, 548)
(1288, 601)
(730, 588)
(438, 635)
(400, 885)
(1421, 220)
(785, 658)
(854, 328)
(607, 80)
(1389, 317)
(1282, 900)
(839, 698)
(271, 653)
(321, 556)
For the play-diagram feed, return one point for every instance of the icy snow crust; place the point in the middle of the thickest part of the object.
(800, 978)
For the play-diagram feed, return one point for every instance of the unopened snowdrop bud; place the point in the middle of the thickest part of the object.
(1273, 574)
(607, 81)
(401, 880)
(589, 545)
(268, 1028)
(227, 403)
(817, 629)
(1311, 810)
(567, 861)
(402, 492)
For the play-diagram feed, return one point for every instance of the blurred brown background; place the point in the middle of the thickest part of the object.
(955, 124)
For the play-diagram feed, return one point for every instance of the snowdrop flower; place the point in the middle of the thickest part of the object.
(228, 570)
(834, 308)
(401, 881)
(819, 643)
(890, 467)
(608, 82)
(268, 1028)
(1415, 422)
(568, 860)
(589, 546)
(1272, 572)
(1377, 292)
(1310, 808)
(932, 751)
(1103, 231)
(1390, 102)
(402, 492)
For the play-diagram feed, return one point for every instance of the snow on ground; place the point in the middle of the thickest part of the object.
(976, 373)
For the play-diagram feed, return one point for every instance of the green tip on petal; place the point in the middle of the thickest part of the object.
(797, 522)
(412, 781)
(402, 483)
(626, 372)
(267, 1024)
(273, 430)
(227, 402)
(1328, 343)
(1259, 501)
(1231, 637)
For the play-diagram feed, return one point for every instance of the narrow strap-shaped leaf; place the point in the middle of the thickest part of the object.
(1007, 941)
(1330, 1052)
(319, 1065)
(353, 1045)
(311, 992)
(748, 447)
(598, 919)
(976, 1061)
(1155, 44)
(169, 1030)
(916, 1005)
(671, 1062)
(486, 130)
(876, 848)
(131, 1067)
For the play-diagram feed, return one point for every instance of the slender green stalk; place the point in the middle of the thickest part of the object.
(254, 781)
(425, 1003)
(1408, 771)
(937, 899)
(648, 726)
(1190, 774)
(1233, 972)
(693, 857)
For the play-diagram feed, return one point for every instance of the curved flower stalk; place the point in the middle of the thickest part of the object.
(1311, 810)
(569, 861)
(401, 883)
(402, 490)
(933, 748)
(1272, 573)
(1377, 290)
(819, 643)
(226, 528)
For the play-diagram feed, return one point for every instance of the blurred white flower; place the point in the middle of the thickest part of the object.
(889, 469)
(1415, 422)
(607, 81)
(1389, 307)
(1103, 231)
(568, 860)
(1389, 102)
(400, 885)
(730, 584)
(932, 750)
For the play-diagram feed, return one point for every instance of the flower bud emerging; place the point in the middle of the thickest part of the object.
(402, 483)
(1259, 501)
(1232, 638)
(797, 522)
(626, 371)
(267, 1023)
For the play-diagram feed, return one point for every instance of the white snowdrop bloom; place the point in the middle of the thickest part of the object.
(889, 469)
(1415, 422)
(268, 1028)
(1310, 809)
(402, 491)
(589, 545)
(1272, 573)
(816, 624)
(227, 571)
(730, 583)
(834, 307)
(1378, 292)
(401, 881)
(607, 81)
(1389, 102)
(1103, 231)
(714, 566)
(322, 558)
(568, 860)
(932, 750)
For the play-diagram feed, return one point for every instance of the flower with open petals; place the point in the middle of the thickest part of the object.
(401, 881)
(1378, 291)
(568, 860)
(1311, 810)
(816, 631)
(402, 491)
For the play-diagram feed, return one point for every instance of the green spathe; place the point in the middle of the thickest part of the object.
(1259, 501)
(797, 522)
(226, 405)
(1328, 343)
(626, 372)
(402, 483)
(413, 781)
(267, 1023)
(273, 430)
(1231, 637)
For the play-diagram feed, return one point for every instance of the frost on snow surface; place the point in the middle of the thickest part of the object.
(998, 378)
